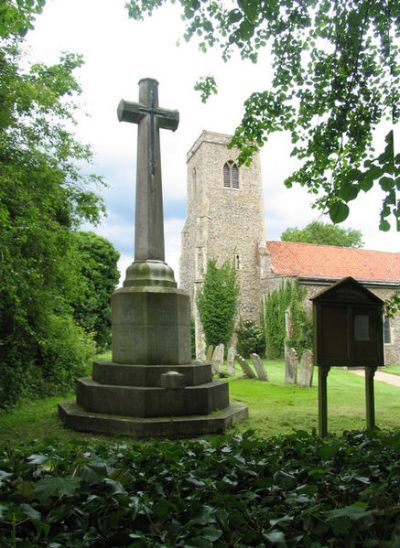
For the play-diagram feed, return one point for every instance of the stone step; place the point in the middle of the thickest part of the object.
(142, 401)
(107, 372)
(77, 418)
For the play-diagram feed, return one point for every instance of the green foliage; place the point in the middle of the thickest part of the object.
(192, 337)
(288, 296)
(301, 336)
(324, 234)
(251, 339)
(393, 305)
(217, 301)
(42, 198)
(295, 490)
(97, 266)
(17, 18)
(206, 86)
(336, 77)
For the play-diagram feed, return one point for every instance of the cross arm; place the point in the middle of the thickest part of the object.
(168, 119)
(129, 112)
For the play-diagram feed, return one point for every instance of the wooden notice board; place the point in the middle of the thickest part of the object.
(348, 332)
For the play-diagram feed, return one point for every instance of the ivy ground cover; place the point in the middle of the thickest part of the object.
(240, 490)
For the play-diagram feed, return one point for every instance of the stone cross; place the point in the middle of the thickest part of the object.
(149, 218)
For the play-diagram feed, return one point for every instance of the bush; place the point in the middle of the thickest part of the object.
(47, 365)
(251, 339)
(295, 490)
(288, 296)
(217, 301)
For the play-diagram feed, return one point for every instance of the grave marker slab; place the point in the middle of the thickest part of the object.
(306, 369)
(259, 367)
(246, 368)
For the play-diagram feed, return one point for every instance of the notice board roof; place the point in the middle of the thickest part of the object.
(349, 291)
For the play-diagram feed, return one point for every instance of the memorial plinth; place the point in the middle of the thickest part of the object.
(150, 388)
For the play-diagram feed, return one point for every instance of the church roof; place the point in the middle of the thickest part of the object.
(326, 261)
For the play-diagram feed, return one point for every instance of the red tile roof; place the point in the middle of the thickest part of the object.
(325, 261)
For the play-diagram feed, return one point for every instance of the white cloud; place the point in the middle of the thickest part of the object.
(118, 52)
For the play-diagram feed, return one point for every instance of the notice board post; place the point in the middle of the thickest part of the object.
(348, 332)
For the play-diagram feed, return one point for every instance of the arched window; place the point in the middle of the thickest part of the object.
(231, 175)
(194, 182)
(387, 335)
(237, 262)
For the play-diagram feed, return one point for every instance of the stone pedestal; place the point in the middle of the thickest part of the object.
(151, 388)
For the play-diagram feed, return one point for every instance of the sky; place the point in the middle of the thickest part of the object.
(118, 52)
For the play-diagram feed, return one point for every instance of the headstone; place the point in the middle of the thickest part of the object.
(259, 367)
(210, 351)
(306, 369)
(290, 354)
(291, 366)
(247, 370)
(218, 359)
(230, 361)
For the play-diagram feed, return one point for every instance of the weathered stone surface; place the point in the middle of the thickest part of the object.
(161, 427)
(291, 362)
(150, 325)
(149, 220)
(306, 369)
(247, 370)
(148, 375)
(259, 367)
(173, 380)
(218, 358)
(230, 361)
(138, 401)
(216, 217)
(210, 352)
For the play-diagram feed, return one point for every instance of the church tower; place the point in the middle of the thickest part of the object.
(225, 221)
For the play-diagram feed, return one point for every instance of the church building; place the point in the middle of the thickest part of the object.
(225, 221)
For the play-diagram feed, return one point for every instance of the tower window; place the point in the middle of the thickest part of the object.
(387, 335)
(194, 179)
(237, 262)
(231, 175)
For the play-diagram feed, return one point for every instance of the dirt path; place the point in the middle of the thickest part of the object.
(388, 378)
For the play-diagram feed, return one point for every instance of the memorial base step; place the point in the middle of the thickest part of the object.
(75, 417)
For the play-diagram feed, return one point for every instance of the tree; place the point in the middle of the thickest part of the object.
(251, 339)
(324, 234)
(43, 198)
(97, 262)
(288, 296)
(217, 302)
(336, 77)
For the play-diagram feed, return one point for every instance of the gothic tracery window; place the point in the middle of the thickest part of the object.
(231, 175)
(387, 335)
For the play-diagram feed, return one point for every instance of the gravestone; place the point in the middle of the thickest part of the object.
(210, 351)
(151, 387)
(218, 359)
(246, 368)
(230, 360)
(306, 369)
(291, 362)
(259, 367)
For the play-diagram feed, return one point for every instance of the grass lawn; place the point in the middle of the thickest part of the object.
(274, 408)
(393, 369)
